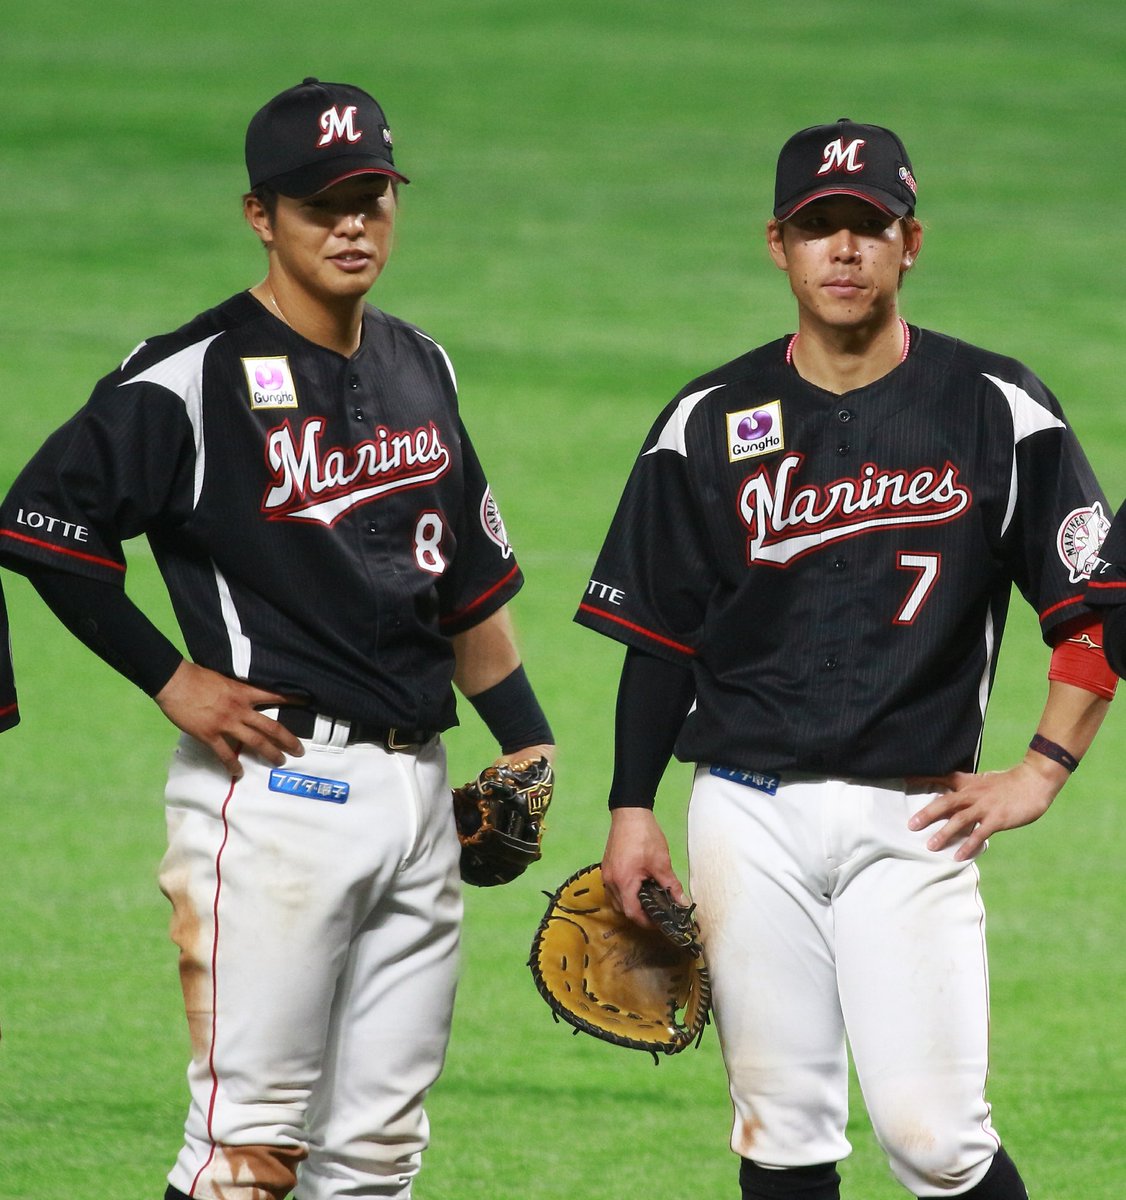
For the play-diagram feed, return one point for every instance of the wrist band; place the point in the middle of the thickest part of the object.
(1053, 751)
(513, 714)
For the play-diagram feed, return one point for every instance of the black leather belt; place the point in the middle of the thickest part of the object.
(302, 722)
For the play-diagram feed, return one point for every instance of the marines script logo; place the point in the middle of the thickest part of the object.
(785, 521)
(315, 483)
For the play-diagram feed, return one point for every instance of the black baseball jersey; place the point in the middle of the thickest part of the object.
(9, 708)
(837, 569)
(322, 523)
(1108, 575)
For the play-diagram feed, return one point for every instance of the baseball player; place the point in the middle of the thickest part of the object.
(1106, 590)
(9, 706)
(810, 568)
(335, 559)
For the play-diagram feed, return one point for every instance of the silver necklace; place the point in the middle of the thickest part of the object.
(274, 302)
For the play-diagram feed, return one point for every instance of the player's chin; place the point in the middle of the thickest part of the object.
(854, 312)
(352, 277)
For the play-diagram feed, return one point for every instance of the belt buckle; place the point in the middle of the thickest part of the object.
(393, 743)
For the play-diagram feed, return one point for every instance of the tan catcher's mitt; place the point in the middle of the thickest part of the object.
(647, 989)
(499, 817)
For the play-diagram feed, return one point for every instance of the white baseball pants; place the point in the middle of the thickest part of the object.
(317, 911)
(824, 918)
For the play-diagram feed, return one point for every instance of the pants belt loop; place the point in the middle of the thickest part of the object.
(338, 736)
(323, 729)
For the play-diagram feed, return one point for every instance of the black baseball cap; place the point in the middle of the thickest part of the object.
(314, 135)
(844, 159)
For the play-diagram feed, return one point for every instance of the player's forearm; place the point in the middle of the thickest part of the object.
(1071, 719)
(654, 696)
(107, 621)
(488, 672)
(485, 654)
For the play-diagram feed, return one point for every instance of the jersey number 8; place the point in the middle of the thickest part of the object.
(428, 534)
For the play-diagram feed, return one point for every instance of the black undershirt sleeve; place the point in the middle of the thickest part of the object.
(654, 696)
(105, 620)
(1114, 637)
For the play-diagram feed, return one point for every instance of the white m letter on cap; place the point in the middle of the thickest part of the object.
(839, 157)
(337, 125)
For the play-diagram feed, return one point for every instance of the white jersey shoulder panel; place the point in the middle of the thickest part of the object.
(672, 435)
(182, 374)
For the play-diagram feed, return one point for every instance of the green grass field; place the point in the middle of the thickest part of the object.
(583, 234)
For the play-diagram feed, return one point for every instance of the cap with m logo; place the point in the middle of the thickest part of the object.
(846, 159)
(314, 135)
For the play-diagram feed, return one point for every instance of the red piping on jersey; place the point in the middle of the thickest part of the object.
(461, 612)
(8, 710)
(1109, 586)
(91, 558)
(215, 985)
(902, 324)
(597, 612)
(1062, 604)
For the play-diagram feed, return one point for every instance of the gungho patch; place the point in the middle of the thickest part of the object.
(753, 432)
(270, 383)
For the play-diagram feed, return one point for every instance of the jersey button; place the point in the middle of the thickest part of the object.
(353, 381)
(843, 449)
(358, 413)
(830, 663)
(372, 527)
(844, 416)
(840, 564)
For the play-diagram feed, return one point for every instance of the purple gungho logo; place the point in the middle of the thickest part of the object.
(755, 426)
(753, 432)
(269, 379)
(269, 382)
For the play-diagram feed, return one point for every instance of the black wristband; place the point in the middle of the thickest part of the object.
(1053, 751)
(513, 714)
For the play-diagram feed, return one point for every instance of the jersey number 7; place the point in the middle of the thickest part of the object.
(927, 567)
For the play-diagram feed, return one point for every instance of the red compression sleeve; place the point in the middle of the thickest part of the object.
(1079, 659)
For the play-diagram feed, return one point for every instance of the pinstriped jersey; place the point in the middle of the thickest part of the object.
(837, 569)
(9, 708)
(1107, 584)
(323, 523)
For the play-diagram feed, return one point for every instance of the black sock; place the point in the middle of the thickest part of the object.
(820, 1182)
(1001, 1182)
